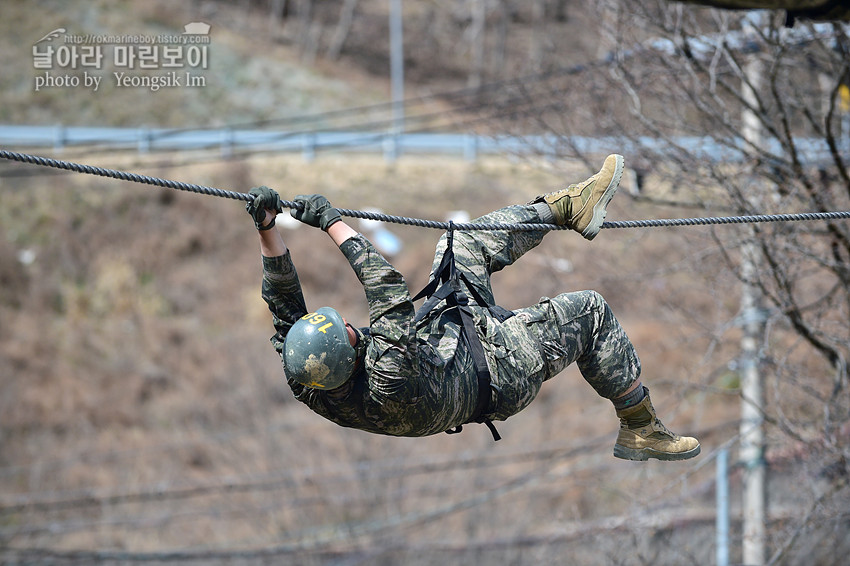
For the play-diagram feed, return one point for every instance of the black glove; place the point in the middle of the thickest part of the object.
(264, 198)
(317, 211)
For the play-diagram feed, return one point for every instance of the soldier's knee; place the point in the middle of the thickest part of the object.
(598, 301)
(594, 304)
(568, 307)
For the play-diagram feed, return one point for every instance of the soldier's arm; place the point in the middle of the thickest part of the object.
(281, 288)
(340, 232)
(271, 241)
(391, 358)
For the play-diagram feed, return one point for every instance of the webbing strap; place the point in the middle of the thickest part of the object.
(451, 292)
(445, 272)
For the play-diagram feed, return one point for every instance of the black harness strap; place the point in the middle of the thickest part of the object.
(450, 291)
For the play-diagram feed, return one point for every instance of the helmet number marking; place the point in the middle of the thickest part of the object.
(315, 318)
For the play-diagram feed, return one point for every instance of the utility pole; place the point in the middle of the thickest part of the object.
(722, 522)
(753, 323)
(396, 76)
(752, 419)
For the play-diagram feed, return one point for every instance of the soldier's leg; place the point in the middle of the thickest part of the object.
(580, 327)
(479, 253)
(580, 206)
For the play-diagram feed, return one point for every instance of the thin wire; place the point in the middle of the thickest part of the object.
(324, 538)
(476, 105)
(519, 227)
(367, 137)
(385, 469)
(497, 87)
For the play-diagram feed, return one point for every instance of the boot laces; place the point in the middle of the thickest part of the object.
(658, 427)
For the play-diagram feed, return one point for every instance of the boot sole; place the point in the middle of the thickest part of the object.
(599, 209)
(644, 454)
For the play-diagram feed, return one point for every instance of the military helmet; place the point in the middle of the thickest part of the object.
(317, 353)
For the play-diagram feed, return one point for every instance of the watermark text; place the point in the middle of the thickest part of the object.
(70, 60)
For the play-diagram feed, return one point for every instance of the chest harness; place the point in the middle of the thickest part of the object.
(446, 285)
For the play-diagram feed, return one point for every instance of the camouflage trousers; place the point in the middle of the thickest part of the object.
(571, 327)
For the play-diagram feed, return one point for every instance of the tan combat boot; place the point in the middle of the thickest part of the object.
(642, 436)
(581, 206)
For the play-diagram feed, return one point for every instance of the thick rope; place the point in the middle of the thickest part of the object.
(527, 227)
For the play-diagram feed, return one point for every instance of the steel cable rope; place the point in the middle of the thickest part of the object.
(423, 223)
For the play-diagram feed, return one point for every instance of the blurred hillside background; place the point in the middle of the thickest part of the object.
(143, 412)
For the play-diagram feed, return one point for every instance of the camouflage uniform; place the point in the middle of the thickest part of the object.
(418, 380)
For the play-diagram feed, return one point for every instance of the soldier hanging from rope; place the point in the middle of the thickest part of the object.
(460, 359)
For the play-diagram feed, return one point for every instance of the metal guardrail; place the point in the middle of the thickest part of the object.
(229, 140)
(392, 145)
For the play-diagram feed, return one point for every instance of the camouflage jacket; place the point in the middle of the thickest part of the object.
(415, 380)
